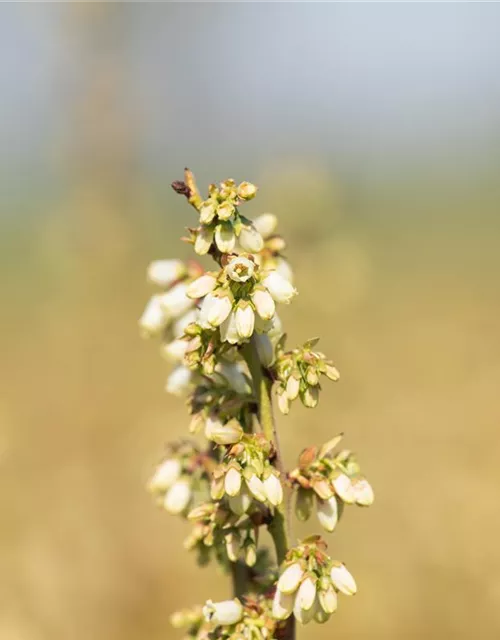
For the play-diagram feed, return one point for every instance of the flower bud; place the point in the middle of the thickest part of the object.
(175, 302)
(264, 303)
(217, 488)
(284, 269)
(179, 381)
(250, 555)
(310, 397)
(290, 578)
(266, 224)
(240, 269)
(153, 320)
(250, 239)
(343, 488)
(282, 605)
(232, 546)
(201, 286)
(228, 433)
(245, 319)
(306, 594)
(225, 210)
(164, 272)
(235, 377)
(166, 474)
(303, 504)
(363, 492)
(312, 376)
(232, 482)
(240, 503)
(203, 241)
(256, 487)
(328, 599)
(247, 190)
(228, 330)
(174, 351)
(265, 349)
(215, 309)
(207, 211)
(283, 402)
(224, 237)
(327, 513)
(343, 580)
(273, 490)
(304, 616)
(224, 613)
(280, 289)
(177, 497)
(292, 387)
(331, 372)
(321, 616)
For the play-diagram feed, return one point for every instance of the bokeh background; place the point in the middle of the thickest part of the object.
(373, 131)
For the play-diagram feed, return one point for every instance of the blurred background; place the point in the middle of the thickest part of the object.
(373, 131)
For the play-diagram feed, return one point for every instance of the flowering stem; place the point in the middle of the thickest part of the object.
(262, 388)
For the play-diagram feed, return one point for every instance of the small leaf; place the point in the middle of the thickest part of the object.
(312, 342)
(330, 445)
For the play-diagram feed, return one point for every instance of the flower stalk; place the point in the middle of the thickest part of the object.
(222, 331)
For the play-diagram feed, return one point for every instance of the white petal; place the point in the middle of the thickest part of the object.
(224, 237)
(264, 303)
(154, 319)
(228, 331)
(177, 497)
(290, 578)
(343, 488)
(164, 272)
(327, 513)
(282, 605)
(256, 487)
(175, 302)
(201, 286)
(343, 580)
(266, 224)
(274, 490)
(224, 613)
(203, 241)
(250, 239)
(179, 381)
(245, 320)
(280, 289)
(165, 475)
(328, 600)
(306, 594)
(232, 482)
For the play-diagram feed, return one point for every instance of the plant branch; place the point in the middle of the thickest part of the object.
(262, 387)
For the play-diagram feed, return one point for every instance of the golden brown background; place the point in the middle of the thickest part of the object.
(373, 131)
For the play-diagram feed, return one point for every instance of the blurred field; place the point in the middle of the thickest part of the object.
(399, 277)
(409, 314)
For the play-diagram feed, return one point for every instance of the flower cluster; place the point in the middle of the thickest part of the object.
(184, 471)
(221, 222)
(217, 529)
(246, 473)
(309, 583)
(239, 299)
(333, 479)
(169, 313)
(298, 375)
(230, 619)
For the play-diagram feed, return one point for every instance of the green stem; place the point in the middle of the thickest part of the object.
(278, 527)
